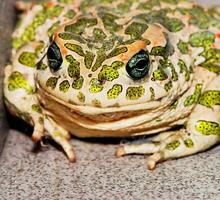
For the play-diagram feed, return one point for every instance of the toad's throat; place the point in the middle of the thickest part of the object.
(99, 123)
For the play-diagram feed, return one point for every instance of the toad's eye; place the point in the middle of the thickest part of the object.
(139, 65)
(54, 57)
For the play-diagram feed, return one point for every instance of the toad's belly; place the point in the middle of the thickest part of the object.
(120, 124)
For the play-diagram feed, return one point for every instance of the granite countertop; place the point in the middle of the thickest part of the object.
(30, 172)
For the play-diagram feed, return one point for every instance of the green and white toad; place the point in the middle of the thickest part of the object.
(104, 68)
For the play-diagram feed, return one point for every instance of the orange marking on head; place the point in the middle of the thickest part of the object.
(137, 45)
(132, 49)
(60, 44)
(50, 4)
(218, 35)
(124, 57)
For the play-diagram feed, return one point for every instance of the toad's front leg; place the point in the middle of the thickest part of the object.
(20, 96)
(202, 132)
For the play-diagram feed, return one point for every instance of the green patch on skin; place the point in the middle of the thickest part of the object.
(160, 16)
(70, 14)
(174, 105)
(95, 86)
(173, 24)
(52, 82)
(130, 41)
(89, 58)
(194, 98)
(168, 86)
(80, 25)
(36, 108)
(81, 97)
(183, 68)
(210, 98)
(158, 120)
(134, 93)
(41, 120)
(53, 11)
(114, 92)
(158, 51)
(205, 39)
(165, 52)
(78, 83)
(183, 47)
(70, 59)
(98, 35)
(51, 30)
(173, 145)
(57, 134)
(211, 67)
(189, 143)
(200, 17)
(64, 86)
(136, 29)
(28, 59)
(71, 36)
(85, 5)
(65, 1)
(159, 75)
(108, 73)
(29, 33)
(41, 66)
(149, 4)
(108, 20)
(212, 60)
(101, 57)
(202, 39)
(208, 127)
(17, 81)
(125, 6)
(168, 64)
(117, 51)
(75, 48)
(171, 1)
(73, 69)
(96, 103)
(117, 64)
(152, 93)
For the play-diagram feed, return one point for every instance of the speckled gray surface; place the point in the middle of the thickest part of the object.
(29, 173)
(99, 175)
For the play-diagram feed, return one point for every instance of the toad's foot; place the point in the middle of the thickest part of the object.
(202, 132)
(60, 136)
(166, 145)
(170, 145)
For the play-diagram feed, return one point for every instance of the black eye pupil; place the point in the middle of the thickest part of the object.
(138, 66)
(141, 64)
(54, 57)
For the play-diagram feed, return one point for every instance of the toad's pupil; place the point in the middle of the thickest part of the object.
(54, 57)
(141, 64)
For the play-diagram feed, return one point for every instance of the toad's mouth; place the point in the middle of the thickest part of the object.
(86, 121)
